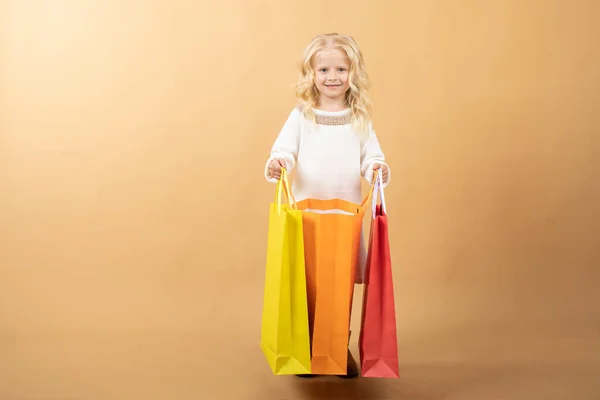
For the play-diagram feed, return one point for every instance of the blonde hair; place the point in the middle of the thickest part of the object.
(357, 98)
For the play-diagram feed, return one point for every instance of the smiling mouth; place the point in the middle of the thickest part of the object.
(336, 85)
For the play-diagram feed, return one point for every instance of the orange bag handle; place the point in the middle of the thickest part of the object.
(367, 198)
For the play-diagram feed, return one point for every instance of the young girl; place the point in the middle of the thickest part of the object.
(328, 139)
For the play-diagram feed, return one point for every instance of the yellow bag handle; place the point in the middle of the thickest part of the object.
(283, 183)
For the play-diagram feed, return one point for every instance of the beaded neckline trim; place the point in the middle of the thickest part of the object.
(330, 119)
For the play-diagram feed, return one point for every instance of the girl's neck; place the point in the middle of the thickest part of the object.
(331, 105)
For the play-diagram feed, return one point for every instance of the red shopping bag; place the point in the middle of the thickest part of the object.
(378, 342)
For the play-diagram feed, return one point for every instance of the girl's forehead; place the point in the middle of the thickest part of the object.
(327, 56)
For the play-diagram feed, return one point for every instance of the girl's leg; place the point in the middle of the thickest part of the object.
(351, 366)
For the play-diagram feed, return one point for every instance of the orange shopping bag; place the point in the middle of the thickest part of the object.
(332, 230)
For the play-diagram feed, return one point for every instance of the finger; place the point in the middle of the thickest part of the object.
(376, 166)
(282, 163)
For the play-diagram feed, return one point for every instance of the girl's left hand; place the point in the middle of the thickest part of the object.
(384, 171)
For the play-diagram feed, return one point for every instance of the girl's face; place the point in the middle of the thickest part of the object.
(331, 75)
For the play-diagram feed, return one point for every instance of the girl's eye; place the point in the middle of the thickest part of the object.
(341, 69)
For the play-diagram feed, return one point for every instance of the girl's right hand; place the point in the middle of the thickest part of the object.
(275, 168)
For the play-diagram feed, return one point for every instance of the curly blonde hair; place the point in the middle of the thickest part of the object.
(357, 98)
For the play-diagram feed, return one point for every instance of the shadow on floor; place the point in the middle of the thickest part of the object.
(456, 382)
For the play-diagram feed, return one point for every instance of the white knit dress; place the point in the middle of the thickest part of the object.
(328, 159)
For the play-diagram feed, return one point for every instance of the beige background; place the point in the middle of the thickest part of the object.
(133, 210)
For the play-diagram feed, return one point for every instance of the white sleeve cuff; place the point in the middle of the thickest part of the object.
(370, 173)
(266, 172)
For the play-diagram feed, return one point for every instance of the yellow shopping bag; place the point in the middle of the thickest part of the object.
(285, 339)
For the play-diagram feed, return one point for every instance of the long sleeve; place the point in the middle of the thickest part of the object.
(371, 153)
(286, 144)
